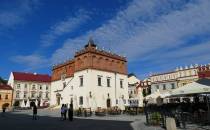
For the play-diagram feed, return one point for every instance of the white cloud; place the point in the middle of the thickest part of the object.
(142, 29)
(11, 17)
(147, 27)
(66, 26)
(32, 62)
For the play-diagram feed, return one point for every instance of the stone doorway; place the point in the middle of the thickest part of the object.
(108, 103)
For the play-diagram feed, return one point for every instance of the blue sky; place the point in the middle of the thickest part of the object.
(154, 35)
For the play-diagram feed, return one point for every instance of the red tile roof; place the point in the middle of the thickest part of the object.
(31, 77)
(5, 87)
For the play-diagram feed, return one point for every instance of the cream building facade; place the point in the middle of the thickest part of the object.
(30, 86)
(167, 81)
(94, 78)
(133, 82)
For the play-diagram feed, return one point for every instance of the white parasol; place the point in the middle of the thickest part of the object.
(41, 103)
(36, 102)
(93, 103)
(23, 104)
(121, 104)
(28, 103)
(75, 102)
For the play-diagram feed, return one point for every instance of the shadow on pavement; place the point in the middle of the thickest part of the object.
(17, 121)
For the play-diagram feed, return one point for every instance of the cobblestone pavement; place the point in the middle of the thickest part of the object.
(195, 127)
(50, 120)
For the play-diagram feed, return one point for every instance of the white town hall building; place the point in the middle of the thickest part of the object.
(93, 78)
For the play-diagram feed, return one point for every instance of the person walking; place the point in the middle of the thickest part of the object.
(34, 112)
(70, 112)
(3, 111)
(65, 111)
(62, 112)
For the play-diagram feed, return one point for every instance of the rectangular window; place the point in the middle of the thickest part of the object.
(108, 82)
(40, 87)
(81, 80)
(25, 95)
(81, 100)
(25, 86)
(164, 87)
(172, 86)
(121, 83)
(0, 96)
(18, 86)
(17, 95)
(6, 97)
(34, 87)
(46, 87)
(33, 95)
(157, 86)
(99, 81)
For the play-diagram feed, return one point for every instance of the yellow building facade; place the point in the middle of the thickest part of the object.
(5, 96)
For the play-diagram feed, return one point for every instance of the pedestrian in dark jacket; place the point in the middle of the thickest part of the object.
(70, 112)
(3, 111)
(34, 112)
(62, 112)
(65, 111)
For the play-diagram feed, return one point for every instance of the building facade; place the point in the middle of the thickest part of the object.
(204, 71)
(133, 82)
(93, 78)
(30, 86)
(144, 87)
(167, 81)
(5, 95)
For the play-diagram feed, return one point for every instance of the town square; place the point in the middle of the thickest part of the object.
(121, 64)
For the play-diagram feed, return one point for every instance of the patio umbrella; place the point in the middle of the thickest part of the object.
(201, 86)
(103, 102)
(87, 102)
(93, 103)
(141, 99)
(153, 95)
(75, 102)
(36, 102)
(113, 102)
(198, 87)
(41, 103)
(28, 103)
(121, 104)
(23, 104)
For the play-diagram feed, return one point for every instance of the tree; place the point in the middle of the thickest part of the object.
(16, 103)
(3, 81)
(5, 105)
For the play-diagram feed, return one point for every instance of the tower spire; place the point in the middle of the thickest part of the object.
(90, 43)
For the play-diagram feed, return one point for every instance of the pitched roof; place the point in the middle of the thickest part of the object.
(31, 77)
(5, 87)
